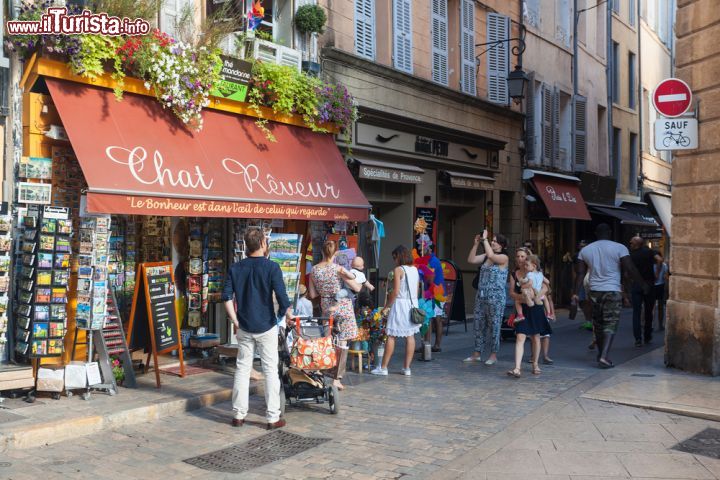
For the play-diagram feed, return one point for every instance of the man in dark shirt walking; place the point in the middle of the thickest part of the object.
(252, 282)
(645, 260)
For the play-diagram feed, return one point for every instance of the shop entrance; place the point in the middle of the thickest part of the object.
(553, 242)
(461, 217)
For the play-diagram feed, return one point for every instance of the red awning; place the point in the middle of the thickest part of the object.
(138, 159)
(561, 197)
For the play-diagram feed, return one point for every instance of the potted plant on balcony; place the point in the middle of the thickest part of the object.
(310, 20)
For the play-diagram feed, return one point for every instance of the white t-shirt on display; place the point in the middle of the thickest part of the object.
(603, 260)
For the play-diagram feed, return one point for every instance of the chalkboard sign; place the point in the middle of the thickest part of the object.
(154, 323)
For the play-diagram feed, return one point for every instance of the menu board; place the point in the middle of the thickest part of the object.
(153, 320)
(162, 307)
(455, 303)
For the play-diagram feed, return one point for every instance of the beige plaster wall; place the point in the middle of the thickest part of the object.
(624, 117)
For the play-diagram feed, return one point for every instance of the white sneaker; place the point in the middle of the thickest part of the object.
(379, 371)
(471, 359)
(490, 361)
(406, 372)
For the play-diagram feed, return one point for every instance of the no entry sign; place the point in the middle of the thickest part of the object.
(672, 97)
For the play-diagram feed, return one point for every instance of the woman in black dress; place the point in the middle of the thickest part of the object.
(535, 323)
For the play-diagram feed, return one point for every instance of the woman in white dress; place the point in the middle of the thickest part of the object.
(404, 296)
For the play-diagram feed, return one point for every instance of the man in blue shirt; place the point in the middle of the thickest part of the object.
(252, 283)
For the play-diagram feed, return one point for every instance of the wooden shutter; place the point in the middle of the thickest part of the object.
(169, 15)
(580, 133)
(556, 129)
(402, 35)
(498, 58)
(468, 82)
(531, 121)
(547, 125)
(440, 42)
(365, 28)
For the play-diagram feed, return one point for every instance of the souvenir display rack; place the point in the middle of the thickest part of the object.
(205, 268)
(92, 272)
(5, 265)
(112, 343)
(42, 294)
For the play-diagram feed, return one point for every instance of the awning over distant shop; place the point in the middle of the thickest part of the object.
(662, 206)
(560, 194)
(470, 181)
(641, 210)
(138, 159)
(625, 216)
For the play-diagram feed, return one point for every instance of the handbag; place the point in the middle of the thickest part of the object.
(313, 353)
(417, 315)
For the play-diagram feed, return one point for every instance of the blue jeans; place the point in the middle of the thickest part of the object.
(642, 306)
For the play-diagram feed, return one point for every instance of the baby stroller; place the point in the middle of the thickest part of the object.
(300, 385)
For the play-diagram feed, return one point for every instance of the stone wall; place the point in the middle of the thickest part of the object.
(693, 327)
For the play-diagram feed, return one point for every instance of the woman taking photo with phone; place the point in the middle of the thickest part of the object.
(491, 294)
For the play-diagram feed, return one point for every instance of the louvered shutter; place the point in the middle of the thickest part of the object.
(556, 129)
(547, 125)
(467, 47)
(402, 35)
(440, 42)
(531, 122)
(498, 58)
(170, 14)
(580, 133)
(365, 28)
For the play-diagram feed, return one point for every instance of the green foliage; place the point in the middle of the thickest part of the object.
(285, 90)
(94, 53)
(310, 19)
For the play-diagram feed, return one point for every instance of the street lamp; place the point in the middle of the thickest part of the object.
(516, 80)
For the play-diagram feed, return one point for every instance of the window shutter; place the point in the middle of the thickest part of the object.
(440, 42)
(531, 122)
(556, 129)
(402, 34)
(580, 133)
(498, 58)
(467, 46)
(547, 125)
(169, 14)
(365, 28)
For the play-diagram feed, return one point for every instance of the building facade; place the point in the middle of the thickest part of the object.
(693, 327)
(438, 135)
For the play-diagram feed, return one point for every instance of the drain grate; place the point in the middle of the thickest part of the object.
(705, 443)
(646, 375)
(274, 446)
(6, 417)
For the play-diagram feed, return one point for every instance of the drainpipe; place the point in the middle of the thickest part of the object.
(609, 75)
(641, 175)
(576, 17)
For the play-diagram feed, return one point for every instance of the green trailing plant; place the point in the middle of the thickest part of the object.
(310, 19)
(285, 90)
(94, 53)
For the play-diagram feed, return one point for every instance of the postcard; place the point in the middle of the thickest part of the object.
(27, 272)
(44, 277)
(28, 259)
(87, 236)
(45, 260)
(4, 284)
(59, 295)
(22, 335)
(37, 193)
(40, 330)
(42, 295)
(5, 223)
(21, 348)
(62, 244)
(57, 329)
(85, 260)
(24, 310)
(25, 296)
(29, 235)
(23, 321)
(42, 313)
(27, 284)
(61, 278)
(58, 312)
(62, 260)
(284, 242)
(47, 242)
(54, 347)
(29, 221)
(5, 243)
(4, 264)
(39, 347)
(64, 226)
(35, 167)
(48, 225)
(29, 247)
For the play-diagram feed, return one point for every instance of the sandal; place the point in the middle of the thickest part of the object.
(535, 369)
(602, 363)
(515, 372)
(548, 361)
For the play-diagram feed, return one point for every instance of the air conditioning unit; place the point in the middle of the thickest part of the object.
(272, 52)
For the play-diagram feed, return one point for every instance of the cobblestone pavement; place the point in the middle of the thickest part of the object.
(448, 420)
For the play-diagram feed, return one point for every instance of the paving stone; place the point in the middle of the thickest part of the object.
(664, 465)
(574, 463)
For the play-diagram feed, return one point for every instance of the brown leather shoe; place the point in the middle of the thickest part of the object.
(238, 422)
(279, 424)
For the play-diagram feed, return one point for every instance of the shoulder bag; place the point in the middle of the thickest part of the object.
(417, 315)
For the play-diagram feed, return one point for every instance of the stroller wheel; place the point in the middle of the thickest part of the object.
(333, 400)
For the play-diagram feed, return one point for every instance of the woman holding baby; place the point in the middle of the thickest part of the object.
(326, 281)
(527, 289)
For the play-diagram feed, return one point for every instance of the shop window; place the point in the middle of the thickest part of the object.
(632, 178)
